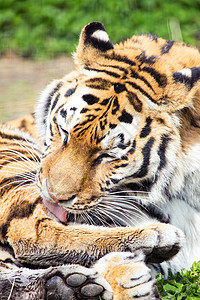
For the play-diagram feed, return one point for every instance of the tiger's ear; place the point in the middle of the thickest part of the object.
(93, 42)
(189, 77)
(180, 93)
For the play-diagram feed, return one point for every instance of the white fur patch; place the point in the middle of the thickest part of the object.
(112, 139)
(5, 255)
(188, 220)
(40, 108)
(101, 35)
(186, 72)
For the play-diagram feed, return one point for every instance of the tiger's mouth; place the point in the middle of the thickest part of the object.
(56, 210)
(86, 217)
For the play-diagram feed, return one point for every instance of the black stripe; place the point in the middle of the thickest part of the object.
(158, 268)
(115, 107)
(73, 108)
(143, 186)
(112, 126)
(108, 107)
(48, 100)
(104, 102)
(55, 101)
(121, 136)
(162, 150)
(84, 110)
(99, 83)
(24, 210)
(115, 75)
(132, 150)
(81, 132)
(161, 79)
(99, 159)
(143, 171)
(137, 76)
(8, 185)
(102, 124)
(120, 58)
(115, 181)
(97, 87)
(6, 247)
(158, 213)
(124, 146)
(135, 101)
(11, 144)
(118, 68)
(137, 87)
(51, 131)
(166, 47)
(125, 117)
(90, 99)
(63, 113)
(55, 122)
(70, 92)
(146, 129)
(143, 58)
(13, 137)
(121, 166)
(119, 88)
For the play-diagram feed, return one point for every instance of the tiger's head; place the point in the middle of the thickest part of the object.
(118, 126)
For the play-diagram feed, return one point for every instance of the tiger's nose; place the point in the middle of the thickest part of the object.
(64, 200)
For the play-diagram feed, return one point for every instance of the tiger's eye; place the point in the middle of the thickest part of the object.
(119, 88)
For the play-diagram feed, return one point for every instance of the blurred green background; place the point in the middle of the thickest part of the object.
(48, 28)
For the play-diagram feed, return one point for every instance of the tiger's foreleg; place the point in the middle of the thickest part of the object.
(41, 241)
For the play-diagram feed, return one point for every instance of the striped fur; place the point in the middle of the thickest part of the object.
(120, 149)
(34, 245)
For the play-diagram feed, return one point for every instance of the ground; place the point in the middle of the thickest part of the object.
(21, 82)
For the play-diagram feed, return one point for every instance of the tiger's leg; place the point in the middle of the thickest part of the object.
(70, 282)
(128, 276)
(41, 241)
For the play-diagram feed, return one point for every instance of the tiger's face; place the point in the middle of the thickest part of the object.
(112, 127)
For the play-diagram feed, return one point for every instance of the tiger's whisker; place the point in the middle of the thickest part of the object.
(30, 163)
(30, 151)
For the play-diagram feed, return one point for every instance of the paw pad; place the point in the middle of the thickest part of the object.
(92, 290)
(74, 287)
(76, 279)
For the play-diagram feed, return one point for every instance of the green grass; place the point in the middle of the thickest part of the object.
(181, 286)
(47, 28)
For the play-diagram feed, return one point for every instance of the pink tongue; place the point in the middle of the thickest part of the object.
(57, 210)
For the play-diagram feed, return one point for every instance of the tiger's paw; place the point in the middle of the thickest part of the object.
(161, 242)
(76, 282)
(128, 276)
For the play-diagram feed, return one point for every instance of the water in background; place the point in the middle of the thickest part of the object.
(21, 82)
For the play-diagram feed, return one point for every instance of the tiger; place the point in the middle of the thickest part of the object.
(41, 258)
(106, 195)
